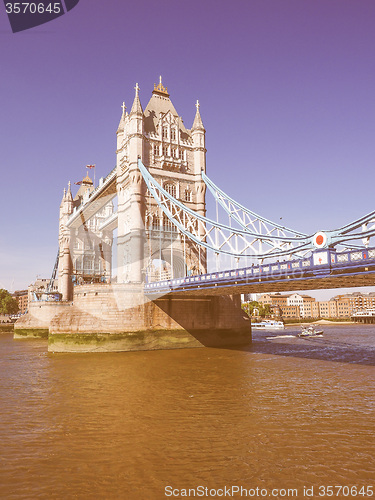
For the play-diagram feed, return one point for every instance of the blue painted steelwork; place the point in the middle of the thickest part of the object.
(322, 263)
(333, 237)
(254, 231)
(219, 237)
(243, 215)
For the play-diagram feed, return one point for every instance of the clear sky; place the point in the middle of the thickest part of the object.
(287, 97)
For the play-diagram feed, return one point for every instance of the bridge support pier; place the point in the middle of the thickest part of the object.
(120, 317)
(35, 324)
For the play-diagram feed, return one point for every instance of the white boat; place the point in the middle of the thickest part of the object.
(310, 331)
(268, 324)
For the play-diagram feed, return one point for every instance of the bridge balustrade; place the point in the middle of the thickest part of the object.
(319, 264)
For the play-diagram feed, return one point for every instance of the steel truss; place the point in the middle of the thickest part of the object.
(248, 234)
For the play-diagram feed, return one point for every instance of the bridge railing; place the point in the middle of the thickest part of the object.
(320, 264)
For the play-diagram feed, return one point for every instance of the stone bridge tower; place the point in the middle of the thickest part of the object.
(101, 315)
(149, 247)
(85, 250)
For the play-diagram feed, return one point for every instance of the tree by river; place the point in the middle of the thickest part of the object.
(254, 308)
(8, 305)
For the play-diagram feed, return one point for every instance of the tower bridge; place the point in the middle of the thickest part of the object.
(142, 266)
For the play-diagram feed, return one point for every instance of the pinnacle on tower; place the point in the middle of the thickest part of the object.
(122, 120)
(137, 107)
(198, 124)
(160, 89)
(64, 197)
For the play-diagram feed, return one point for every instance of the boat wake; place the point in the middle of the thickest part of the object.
(280, 337)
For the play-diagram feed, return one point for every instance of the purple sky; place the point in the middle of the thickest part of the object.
(286, 91)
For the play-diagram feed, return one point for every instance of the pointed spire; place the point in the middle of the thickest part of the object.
(136, 108)
(121, 125)
(198, 124)
(69, 192)
(160, 89)
(86, 181)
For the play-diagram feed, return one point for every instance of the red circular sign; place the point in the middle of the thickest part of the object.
(319, 239)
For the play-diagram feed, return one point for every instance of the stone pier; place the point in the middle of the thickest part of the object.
(119, 317)
(35, 324)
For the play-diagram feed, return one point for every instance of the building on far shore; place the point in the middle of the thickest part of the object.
(358, 301)
(22, 298)
(298, 306)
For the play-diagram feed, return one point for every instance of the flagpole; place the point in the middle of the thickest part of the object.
(90, 167)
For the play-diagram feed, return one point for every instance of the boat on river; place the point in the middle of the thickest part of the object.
(310, 331)
(268, 324)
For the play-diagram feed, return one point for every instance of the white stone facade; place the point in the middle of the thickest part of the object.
(149, 248)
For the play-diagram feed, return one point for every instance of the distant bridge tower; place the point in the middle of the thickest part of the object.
(148, 245)
(84, 249)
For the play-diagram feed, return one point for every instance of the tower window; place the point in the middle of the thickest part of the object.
(156, 149)
(182, 154)
(165, 132)
(168, 225)
(155, 222)
(187, 195)
(165, 151)
(173, 134)
(171, 189)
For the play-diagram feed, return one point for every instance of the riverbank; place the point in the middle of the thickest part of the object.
(320, 322)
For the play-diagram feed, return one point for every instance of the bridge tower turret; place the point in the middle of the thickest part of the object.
(65, 260)
(147, 242)
(130, 237)
(199, 151)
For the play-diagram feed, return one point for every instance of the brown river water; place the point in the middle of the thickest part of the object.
(283, 414)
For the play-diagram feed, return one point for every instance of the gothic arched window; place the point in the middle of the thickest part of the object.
(171, 189)
(87, 264)
(155, 222)
(168, 225)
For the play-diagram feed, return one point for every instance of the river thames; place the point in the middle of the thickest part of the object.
(284, 413)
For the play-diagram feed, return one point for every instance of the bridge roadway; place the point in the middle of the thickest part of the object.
(323, 270)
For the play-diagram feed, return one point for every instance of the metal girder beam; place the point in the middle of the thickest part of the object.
(248, 234)
(285, 285)
(101, 196)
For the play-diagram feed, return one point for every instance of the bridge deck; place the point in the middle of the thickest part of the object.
(323, 270)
